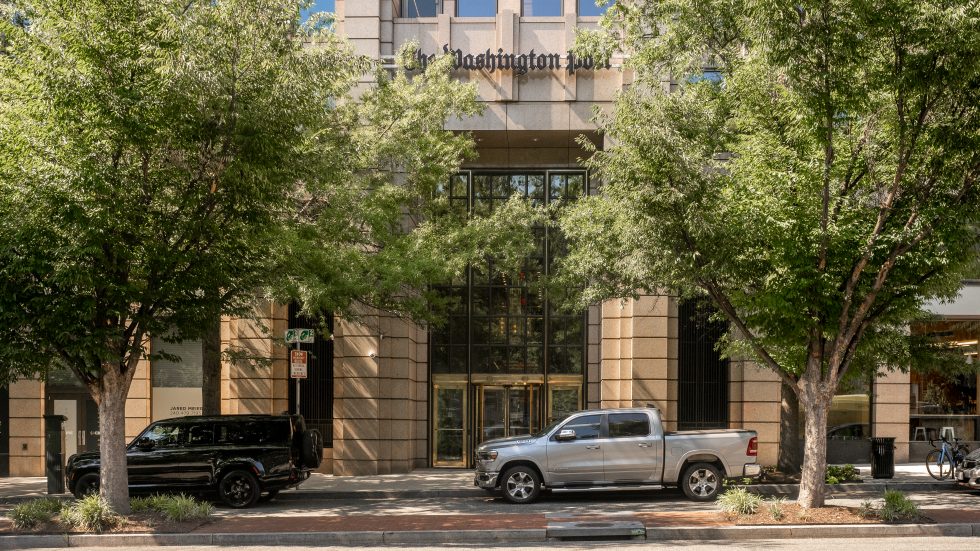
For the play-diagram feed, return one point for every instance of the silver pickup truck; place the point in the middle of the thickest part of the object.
(613, 449)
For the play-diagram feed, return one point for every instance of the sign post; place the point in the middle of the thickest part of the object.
(298, 359)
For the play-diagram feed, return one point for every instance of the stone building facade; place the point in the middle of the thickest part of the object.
(392, 397)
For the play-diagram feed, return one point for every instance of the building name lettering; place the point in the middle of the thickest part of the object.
(521, 64)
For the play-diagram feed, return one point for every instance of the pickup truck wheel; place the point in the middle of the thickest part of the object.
(521, 485)
(239, 489)
(701, 482)
(87, 484)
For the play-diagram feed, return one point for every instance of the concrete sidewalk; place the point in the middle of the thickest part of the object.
(459, 483)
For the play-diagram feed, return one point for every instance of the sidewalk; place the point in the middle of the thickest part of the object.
(304, 524)
(459, 483)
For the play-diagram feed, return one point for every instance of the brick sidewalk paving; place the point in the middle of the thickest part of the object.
(502, 522)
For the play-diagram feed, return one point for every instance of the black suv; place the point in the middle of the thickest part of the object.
(240, 457)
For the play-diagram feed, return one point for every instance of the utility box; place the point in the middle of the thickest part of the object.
(54, 456)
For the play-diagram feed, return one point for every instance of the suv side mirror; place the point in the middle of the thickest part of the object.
(565, 435)
(144, 444)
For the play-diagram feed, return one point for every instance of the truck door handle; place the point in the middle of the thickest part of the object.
(644, 444)
(593, 447)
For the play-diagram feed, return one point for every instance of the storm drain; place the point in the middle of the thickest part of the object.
(596, 530)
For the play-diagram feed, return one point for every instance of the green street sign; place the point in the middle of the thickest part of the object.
(299, 335)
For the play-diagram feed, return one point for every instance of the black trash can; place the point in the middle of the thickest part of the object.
(882, 457)
(54, 460)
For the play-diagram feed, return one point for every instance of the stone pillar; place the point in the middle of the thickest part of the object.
(27, 428)
(755, 403)
(138, 412)
(891, 411)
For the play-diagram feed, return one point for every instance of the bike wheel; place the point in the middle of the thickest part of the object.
(939, 465)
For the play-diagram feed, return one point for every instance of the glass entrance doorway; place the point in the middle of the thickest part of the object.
(508, 411)
(81, 424)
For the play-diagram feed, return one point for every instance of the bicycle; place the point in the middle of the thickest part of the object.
(942, 461)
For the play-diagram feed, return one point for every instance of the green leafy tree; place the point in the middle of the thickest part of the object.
(810, 166)
(161, 163)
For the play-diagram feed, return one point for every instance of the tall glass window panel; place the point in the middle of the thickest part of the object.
(588, 8)
(476, 8)
(541, 8)
(420, 8)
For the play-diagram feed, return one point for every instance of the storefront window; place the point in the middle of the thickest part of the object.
(476, 8)
(943, 388)
(588, 8)
(541, 8)
(421, 8)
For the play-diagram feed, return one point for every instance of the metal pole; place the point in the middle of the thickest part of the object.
(297, 385)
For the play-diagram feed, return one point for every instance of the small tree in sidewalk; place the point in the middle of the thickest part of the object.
(813, 170)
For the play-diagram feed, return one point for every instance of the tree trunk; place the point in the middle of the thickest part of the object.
(211, 360)
(114, 474)
(790, 459)
(813, 478)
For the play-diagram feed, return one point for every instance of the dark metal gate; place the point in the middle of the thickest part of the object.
(316, 391)
(702, 374)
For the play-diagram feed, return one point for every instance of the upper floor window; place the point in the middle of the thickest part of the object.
(588, 8)
(421, 8)
(476, 8)
(541, 8)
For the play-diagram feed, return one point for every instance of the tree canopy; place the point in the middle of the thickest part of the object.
(810, 166)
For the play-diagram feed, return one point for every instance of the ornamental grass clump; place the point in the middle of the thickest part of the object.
(33, 513)
(175, 508)
(775, 506)
(739, 501)
(898, 508)
(92, 513)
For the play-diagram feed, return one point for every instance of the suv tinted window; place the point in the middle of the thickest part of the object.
(200, 434)
(253, 433)
(624, 425)
(166, 435)
(586, 427)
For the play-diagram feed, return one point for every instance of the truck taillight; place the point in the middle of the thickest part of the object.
(753, 447)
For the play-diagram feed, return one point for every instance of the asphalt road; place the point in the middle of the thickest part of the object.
(892, 544)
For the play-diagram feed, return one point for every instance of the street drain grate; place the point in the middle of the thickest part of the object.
(596, 530)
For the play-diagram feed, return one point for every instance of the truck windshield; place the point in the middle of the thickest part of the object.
(551, 426)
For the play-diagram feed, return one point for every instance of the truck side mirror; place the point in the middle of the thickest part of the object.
(565, 435)
(144, 444)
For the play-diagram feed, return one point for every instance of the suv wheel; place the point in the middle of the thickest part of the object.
(239, 489)
(521, 484)
(701, 482)
(87, 484)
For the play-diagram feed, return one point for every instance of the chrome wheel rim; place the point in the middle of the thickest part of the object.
(520, 485)
(702, 482)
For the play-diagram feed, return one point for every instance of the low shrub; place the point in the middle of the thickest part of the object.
(91, 514)
(897, 507)
(33, 513)
(176, 508)
(739, 501)
(841, 473)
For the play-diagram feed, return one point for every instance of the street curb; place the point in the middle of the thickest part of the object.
(812, 531)
(419, 537)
